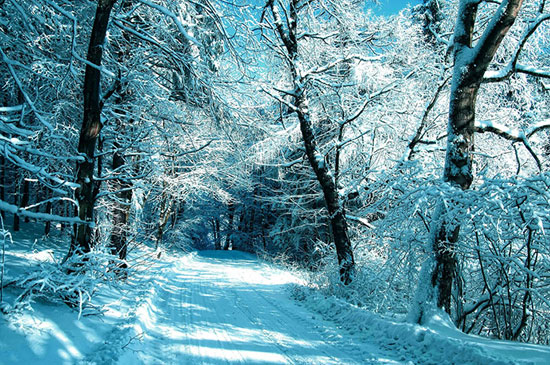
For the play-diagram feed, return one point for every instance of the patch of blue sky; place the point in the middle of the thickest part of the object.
(391, 7)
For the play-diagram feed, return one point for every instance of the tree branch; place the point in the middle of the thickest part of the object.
(491, 39)
(514, 134)
(513, 66)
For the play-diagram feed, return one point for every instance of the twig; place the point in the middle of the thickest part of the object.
(139, 335)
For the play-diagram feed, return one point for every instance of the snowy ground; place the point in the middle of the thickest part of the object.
(228, 307)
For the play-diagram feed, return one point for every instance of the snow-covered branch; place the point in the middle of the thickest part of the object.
(375, 95)
(14, 209)
(15, 77)
(23, 147)
(38, 171)
(513, 66)
(188, 152)
(420, 130)
(174, 18)
(325, 68)
(514, 135)
(279, 99)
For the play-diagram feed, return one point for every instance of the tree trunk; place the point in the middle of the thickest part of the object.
(16, 199)
(121, 186)
(333, 202)
(48, 225)
(25, 198)
(19, 175)
(458, 172)
(470, 64)
(164, 216)
(91, 127)
(230, 215)
(3, 184)
(121, 210)
(216, 232)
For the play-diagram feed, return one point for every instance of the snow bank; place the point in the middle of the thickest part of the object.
(437, 343)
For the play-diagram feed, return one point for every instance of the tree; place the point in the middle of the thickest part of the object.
(288, 35)
(91, 127)
(471, 62)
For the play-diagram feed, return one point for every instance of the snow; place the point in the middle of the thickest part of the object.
(226, 307)
(10, 208)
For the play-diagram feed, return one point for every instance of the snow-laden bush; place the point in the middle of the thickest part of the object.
(503, 252)
(505, 260)
(74, 282)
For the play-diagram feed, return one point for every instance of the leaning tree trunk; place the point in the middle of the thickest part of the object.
(333, 202)
(91, 127)
(320, 166)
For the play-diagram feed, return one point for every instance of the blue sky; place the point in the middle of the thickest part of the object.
(389, 7)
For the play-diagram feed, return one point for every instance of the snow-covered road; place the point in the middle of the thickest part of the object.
(228, 308)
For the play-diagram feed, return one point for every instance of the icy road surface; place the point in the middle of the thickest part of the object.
(220, 307)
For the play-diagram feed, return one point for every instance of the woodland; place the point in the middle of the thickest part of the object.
(402, 161)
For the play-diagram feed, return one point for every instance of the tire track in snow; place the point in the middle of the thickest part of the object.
(256, 322)
(333, 342)
(281, 325)
(226, 308)
(227, 327)
(221, 334)
(334, 348)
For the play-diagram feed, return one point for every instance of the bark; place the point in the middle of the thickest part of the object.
(91, 127)
(48, 225)
(164, 216)
(320, 167)
(333, 202)
(19, 175)
(122, 186)
(216, 232)
(16, 199)
(25, 197)
(230, 215)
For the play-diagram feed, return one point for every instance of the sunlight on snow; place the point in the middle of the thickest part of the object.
(242, 335)
(42, 332)
(42, 256)
(88, 332)
(246, 356)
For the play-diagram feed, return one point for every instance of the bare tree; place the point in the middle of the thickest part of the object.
(287, 31)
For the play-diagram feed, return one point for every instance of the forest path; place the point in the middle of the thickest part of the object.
(217, 307)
